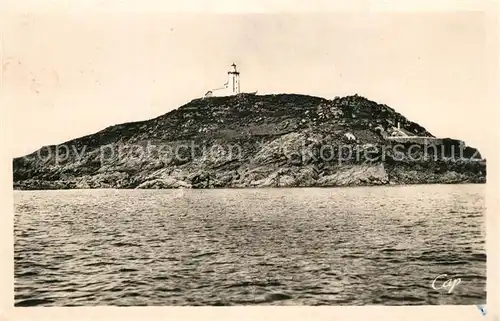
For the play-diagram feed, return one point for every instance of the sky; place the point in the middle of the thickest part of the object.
(68, 73)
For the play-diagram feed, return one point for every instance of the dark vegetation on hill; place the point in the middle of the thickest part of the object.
(253, 141)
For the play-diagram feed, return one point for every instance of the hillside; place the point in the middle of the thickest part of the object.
(248, 140)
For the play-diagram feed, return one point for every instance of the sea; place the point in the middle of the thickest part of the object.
(391, 245)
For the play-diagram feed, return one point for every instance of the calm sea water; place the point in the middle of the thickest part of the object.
(332, 246)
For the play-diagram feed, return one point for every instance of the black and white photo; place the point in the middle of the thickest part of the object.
(249, 159)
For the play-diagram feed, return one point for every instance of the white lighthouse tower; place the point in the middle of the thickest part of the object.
(234, 80)
(231, 87)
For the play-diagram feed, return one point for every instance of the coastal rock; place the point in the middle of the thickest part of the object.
(353, 175)
(285, 140)
(163, 184)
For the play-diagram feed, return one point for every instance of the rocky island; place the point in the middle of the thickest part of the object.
(249, 140)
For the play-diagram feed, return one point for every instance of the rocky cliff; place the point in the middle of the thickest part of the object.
(249, 140)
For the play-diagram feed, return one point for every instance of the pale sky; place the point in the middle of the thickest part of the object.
(68, 74)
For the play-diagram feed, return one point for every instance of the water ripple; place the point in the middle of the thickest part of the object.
(352, 246)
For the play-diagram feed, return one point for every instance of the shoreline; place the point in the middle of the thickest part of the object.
(255, 188)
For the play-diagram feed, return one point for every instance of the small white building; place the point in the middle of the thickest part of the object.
(230, 88)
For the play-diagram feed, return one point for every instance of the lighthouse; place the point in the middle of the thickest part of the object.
(234, 80)
(231, 87)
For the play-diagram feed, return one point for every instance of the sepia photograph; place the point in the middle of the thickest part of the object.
(250, 159)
